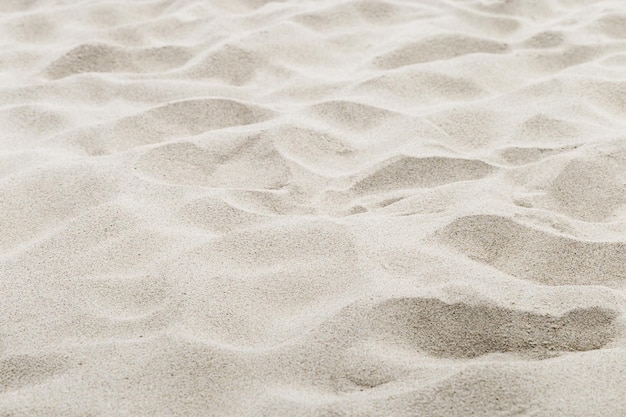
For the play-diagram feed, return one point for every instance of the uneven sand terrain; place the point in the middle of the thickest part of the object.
(313, 208)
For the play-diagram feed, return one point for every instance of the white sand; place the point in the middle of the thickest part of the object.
(313, 208)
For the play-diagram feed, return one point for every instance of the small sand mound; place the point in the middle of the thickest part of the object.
(465, 331)
(411, 172)
(23, 370)
(36, 200)
(228, 165)
(181, 118)
(422, 86)
(529, 253)
(216, 215)
(439, 47)
(521, 156)
(230, 64)
(108, 58)
(351, 115)
(590, 190)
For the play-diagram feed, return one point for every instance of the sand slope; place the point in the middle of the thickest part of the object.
(313, 208)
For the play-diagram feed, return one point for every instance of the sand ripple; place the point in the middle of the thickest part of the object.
(312, 208)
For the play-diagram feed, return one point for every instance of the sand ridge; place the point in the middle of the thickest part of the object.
(312, 208)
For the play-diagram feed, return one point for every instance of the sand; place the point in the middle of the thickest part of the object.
(313, 208)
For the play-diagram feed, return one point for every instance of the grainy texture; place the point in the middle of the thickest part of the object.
(312, 208)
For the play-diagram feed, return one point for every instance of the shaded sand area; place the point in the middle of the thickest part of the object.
(313, 208)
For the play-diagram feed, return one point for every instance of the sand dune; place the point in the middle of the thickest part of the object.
(312, 208)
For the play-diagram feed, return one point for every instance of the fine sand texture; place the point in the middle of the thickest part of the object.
(302, 208)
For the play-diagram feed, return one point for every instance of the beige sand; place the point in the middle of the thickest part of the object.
(313, 208)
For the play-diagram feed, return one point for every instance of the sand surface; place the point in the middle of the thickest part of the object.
(312, 208)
